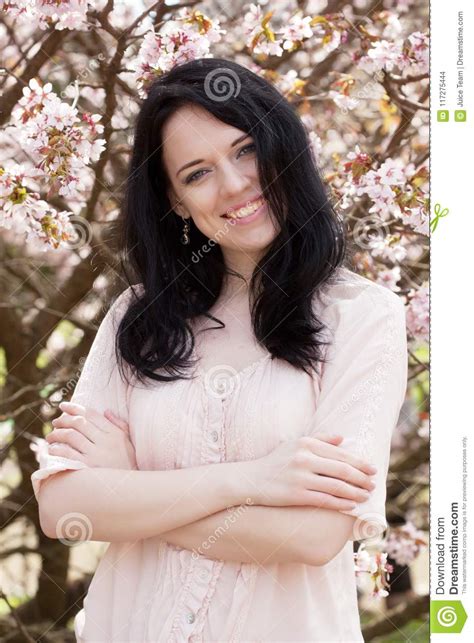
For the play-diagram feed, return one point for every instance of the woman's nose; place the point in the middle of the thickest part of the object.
(233, 181)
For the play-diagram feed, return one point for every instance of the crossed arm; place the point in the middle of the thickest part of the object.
(266, 535)
(188, 508)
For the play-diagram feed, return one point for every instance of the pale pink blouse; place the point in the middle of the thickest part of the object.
(154, 591)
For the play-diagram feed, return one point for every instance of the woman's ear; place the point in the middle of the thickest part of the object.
(174, 202)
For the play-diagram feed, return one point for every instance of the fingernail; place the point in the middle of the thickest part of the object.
(374, 469)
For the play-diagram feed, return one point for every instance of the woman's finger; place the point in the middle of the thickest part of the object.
(337, 488)
(343, 471)
(71, 437)
(65, 451)
(79, 423)
(72, 408)
(334, 452)
(331, 439)
(327, 501)
(91, 415)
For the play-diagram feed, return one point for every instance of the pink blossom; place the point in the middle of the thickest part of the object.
(390, 278)
(316, 144)
(343, 101)
(411, 55)
(23, 211)
(376, 566)
(185, 38)
(418, 219)
(63, 14)
(260, 37)
(329, 41)
(388, 248)
(384, 186)
(384, 54)
(418, 313)
(404, 543)
(418, 53)
(289, 83)
(60, 142)
(392, 172)
(297, 30)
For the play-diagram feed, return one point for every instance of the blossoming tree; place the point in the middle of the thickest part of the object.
(75, 72)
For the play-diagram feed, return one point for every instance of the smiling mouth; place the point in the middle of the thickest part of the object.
(246, 211)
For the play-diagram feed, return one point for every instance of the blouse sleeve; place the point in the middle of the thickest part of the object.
(362, 387)
(99, 386)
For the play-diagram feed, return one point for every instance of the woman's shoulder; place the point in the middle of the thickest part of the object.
(118, 306)
(350, 294)
(122, 302)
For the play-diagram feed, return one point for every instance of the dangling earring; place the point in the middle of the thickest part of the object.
(185, 236)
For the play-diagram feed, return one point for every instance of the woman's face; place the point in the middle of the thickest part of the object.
(212, 169)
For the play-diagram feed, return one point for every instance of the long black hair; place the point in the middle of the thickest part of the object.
(154, 333)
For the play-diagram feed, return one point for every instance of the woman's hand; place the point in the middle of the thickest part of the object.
(95, 439)
(311, 471)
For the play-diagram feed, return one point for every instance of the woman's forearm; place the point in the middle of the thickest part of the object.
(117, 505)
(255, 534)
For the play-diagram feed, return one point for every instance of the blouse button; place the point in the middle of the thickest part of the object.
(190, 617)
(214, 436)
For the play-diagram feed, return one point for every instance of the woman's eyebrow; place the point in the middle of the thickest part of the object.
(236, 142)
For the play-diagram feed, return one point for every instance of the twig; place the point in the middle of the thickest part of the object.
(20, 625)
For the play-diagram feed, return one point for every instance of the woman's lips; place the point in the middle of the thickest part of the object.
(250, 218)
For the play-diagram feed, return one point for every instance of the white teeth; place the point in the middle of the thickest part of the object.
(245, 211)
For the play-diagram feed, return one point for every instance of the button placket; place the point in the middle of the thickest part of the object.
(213, 432)
(195, 597)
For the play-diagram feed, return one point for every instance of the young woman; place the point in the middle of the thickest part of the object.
(222, 432)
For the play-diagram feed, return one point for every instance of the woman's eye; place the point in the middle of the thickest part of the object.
(198, 174)
(250, 146)
(194, 176)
